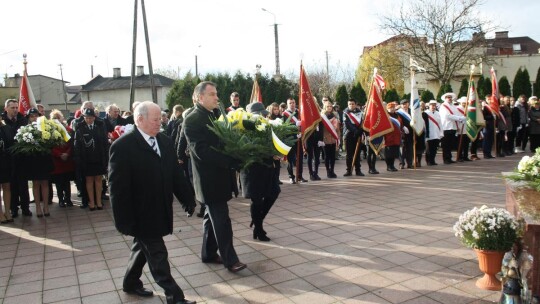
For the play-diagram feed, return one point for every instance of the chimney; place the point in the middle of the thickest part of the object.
(116, 73)
(140, 70)
(501, 35)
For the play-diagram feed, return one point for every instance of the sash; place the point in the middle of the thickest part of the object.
(330, 127)
(353, 118)
(433, 120)
(289, 115)
(450, 110)
(404, 114)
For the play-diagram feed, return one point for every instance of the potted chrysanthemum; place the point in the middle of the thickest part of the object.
(490, 232)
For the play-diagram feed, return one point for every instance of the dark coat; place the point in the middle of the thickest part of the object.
(109, 126)
(142, 184)
(6, 158)
(20, 121)
(99, 154)
(260, 180)
(211, 169)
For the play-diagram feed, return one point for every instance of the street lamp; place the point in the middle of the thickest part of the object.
(196, 62)
(277, 75)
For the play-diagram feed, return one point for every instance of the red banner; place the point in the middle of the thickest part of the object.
(26, 98)
(310, 115)
(494, 104)
(256, 95)
(377, 122)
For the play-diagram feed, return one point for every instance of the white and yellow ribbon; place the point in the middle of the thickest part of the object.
(279, 145)
(63, 131)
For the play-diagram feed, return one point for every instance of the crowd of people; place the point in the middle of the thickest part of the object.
(182, 158)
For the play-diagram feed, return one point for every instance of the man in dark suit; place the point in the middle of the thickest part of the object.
(143, 174)
(211, 178)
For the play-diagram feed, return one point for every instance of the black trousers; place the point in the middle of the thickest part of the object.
(292, 161)
(487, 144)
(371, 158)
(535, 141)
(432, 146)
(313, 157)
(330, 157)
(390, 154)
(350, 146)
(509, 144)
(522, 137)
(447, 142)
(19, 193)
(218, 234)
(154, 252)
(407, 152)
(465, 141)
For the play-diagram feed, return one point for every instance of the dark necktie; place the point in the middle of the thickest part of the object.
(153, 144)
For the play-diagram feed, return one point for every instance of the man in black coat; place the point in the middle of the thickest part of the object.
(19, 184)
(211, 179)
(143, 174)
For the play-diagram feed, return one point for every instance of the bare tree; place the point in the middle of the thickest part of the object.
(443, 36)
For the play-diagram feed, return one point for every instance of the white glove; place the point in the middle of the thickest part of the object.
(320, 143)
(518, 128)
(406, 130)
(299, 135)
(299, 123)
(463, 119)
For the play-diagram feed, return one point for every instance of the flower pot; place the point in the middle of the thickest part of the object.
(490, 263)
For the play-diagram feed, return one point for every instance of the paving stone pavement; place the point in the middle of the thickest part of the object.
(383, 238)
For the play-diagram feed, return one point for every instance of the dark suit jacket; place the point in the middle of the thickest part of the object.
(142, 185)
(211, 169)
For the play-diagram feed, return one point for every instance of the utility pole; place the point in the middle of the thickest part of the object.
(277, 76)
(63, 87)
(134, 56)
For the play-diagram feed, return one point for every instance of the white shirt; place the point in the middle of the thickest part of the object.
(449, 116)
(147, 138)
(462, 125)
(435, 131)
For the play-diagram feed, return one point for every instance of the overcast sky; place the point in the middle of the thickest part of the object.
(232, 35)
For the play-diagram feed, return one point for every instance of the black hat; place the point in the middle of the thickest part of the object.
(33, 111)
(257, 108)
(89, 112)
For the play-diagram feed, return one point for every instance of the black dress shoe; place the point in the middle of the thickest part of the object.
(216, 260)
(303, 180)
(170, 300)
(373, 172)
(359, 173)
(237, 267)
(141, 292)
(27, 213)
(488, 156)
(467, 159)
(348, 173)
(392, 169)
(104, 197)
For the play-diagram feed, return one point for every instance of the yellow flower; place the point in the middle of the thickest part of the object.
(45, 135)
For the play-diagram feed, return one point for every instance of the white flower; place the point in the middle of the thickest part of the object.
(261, 127)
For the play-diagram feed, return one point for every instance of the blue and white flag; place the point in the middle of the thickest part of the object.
(417, 122)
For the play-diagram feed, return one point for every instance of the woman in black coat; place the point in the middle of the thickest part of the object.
(91, 156)
(6, 170)
(260, 183)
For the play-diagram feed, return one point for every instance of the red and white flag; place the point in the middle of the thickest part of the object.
(377, 121)
(494, 104)
(310, 115)
(26, 96)
(256, 95)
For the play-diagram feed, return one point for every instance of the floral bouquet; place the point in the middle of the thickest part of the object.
(528, 170)
(252, 138)
(40, 137)
(121, 130)
(487, 229)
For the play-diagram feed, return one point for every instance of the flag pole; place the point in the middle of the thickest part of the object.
(412, 116)
(466, 113)
(299, 142)
(363, 116)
